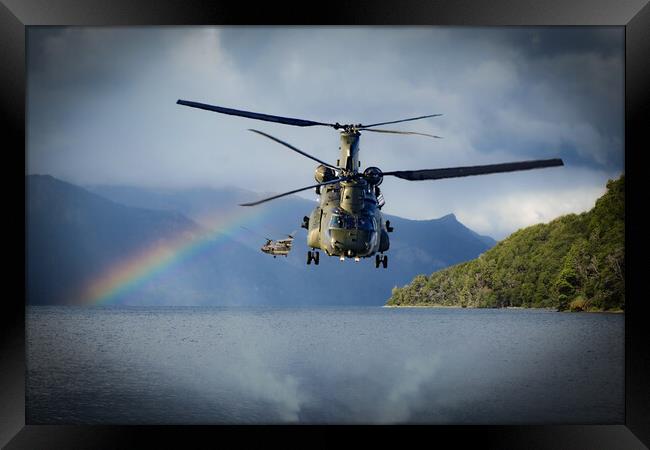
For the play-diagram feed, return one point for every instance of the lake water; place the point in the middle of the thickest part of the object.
(322, 365)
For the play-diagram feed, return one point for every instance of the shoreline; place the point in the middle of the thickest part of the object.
(459, 307)
(427, 306)
(619, 311)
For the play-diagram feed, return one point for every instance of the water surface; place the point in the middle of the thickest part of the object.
(322, 365)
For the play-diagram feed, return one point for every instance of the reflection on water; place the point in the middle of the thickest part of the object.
(322, 365)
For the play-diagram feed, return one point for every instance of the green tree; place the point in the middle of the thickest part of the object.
(575, 261)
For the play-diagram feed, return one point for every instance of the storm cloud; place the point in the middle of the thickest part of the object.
(102, 110)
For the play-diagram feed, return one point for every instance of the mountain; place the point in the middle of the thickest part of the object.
(437, 242)
(73, 234)
(575, 262)
(143, 246)
(77, 240)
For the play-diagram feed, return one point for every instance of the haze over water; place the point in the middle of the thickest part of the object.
(322, 365)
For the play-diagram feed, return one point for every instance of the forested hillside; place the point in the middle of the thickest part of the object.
(575, 262)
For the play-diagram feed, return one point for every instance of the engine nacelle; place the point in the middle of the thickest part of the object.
(373, 176)
(324, 173)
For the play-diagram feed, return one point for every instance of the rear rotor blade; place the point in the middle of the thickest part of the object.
(453, 172)
(293, 148)
(403, 132)
(292, 192)
(253, 115)
(398, 121)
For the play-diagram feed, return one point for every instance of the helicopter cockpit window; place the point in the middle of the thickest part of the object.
(365, 223)
(342, 221)
(351, 223)
(336, 222)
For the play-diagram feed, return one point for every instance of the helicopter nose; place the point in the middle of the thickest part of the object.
(355, 241)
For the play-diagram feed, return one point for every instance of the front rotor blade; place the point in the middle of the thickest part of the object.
(453, 172)
(403, 132)
(253, 115)
(293, 148)
(292, 192)
(398, 121)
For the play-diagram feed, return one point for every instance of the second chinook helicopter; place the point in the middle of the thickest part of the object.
(348, 221)
(280, 247)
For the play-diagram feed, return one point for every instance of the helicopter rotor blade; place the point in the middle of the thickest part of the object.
(254, 115)
(363, 127)
(453, 172)
(403, 132)
(286, 144)
(337, 180)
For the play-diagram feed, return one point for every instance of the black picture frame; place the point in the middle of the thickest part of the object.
(16, 15)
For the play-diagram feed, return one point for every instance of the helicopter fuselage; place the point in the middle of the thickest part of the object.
(275, 248)
(348, 221)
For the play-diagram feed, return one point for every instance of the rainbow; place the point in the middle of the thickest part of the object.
(137, 268)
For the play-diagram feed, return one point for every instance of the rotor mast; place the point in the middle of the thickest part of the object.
(349, 160)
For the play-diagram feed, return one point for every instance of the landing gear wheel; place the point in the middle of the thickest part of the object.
(313, 256)
(385, 261)
(377, 261)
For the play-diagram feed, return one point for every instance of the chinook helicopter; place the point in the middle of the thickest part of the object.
(281, 247)
(348, 221)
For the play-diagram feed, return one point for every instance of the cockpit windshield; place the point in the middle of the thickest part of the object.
(348, 222)
(365, 223)
(339, 221)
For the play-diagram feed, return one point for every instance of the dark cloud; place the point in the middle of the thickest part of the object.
(101, 107)
(548, 42)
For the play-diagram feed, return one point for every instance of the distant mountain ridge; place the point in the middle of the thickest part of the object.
(75, 235)
(575, 262)
(446, 237)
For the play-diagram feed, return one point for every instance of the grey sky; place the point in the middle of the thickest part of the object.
(102, 109)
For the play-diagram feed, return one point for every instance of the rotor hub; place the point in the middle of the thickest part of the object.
(348, 128)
